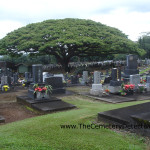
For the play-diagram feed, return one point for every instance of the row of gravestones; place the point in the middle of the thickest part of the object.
(8, 80)
(131, 74)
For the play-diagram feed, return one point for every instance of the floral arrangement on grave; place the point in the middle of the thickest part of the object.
(5, 87)
(106, 91)
(127, 89)
(23, 85)
(142, 81)
(46, 89)
(141, 88)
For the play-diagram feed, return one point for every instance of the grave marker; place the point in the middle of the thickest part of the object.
(131, 67)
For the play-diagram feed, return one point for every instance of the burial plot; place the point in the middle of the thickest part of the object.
(44, 103)
(135, 117)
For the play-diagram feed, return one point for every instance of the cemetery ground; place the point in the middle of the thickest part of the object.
(44, 132)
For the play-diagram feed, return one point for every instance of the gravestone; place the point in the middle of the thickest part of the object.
(37, 79)
(107, 72)
(37, 73)
(46, 75)
(28, 79)
(6, 80)
(97, 89)
(97, 77)
(74, 79)
(148, 83)
(135, 79)
(85, 77)
(60, 75)
(115, 83)
(27, 75)
(107, 80)
(56, 83)
(119, 74)
(15, 78)
(131, 67)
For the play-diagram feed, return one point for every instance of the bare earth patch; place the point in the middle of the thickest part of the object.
(11, 110)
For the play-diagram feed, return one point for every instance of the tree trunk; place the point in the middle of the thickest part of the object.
(65, 66)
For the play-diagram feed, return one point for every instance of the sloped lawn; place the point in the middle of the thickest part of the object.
(45, 132)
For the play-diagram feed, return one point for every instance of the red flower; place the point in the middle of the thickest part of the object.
(44, 88)
(127, 87)
(132, 86)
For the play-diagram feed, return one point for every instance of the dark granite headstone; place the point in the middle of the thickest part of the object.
(132, 65)
(37, 73)
(74, 79)
(56, 83)
(37, 79)
(107, 80)
(27, 75)
(15, 78)
(148, 79)
(114, 76)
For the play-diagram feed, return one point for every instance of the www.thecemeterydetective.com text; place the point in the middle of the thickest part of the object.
(103, 126)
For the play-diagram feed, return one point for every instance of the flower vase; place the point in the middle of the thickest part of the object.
(5, 89)
(42, 95)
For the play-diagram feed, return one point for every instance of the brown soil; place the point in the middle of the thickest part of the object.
(10, 109)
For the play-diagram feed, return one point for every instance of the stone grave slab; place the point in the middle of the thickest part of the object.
(53, 106)
(2, 119)
(125, 115)
(143, 118)
(112, 98)
(47, 105)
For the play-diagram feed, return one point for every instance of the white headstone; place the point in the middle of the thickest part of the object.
(135, 79)
(85, 76)
(97, 77)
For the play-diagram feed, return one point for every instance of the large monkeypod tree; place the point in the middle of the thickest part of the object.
(65, 38)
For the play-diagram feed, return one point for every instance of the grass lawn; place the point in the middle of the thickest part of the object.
(44, 132)
(144, 70)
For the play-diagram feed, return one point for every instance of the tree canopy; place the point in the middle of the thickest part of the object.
(65, 38)
(144, 43)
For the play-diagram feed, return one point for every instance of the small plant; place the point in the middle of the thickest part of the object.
(123, 93)
(141, 87)
(5, 87)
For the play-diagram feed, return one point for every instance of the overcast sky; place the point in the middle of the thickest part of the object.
(130, 16)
